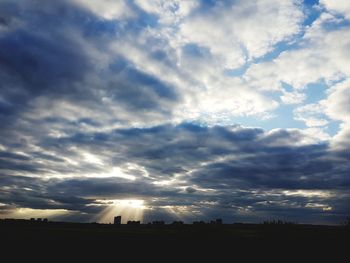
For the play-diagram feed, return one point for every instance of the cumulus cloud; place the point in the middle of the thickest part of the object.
(311, 114)
(107, 9)
(226, 99)
(242, 30)
(292, 97)
(337, 6)
(337, 107)
(337, 104)
(341, 142)
(320, 56)
(168, 11)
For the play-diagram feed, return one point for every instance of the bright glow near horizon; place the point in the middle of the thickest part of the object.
(128, 209)
(27, 213)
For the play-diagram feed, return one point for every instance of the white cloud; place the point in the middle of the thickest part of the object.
(337, 6)
(244, 30)
(108, 9)
(337, 105)
(293, 97)
(225, 99)
(311, 114)
(91, 158)
(341, 141)
(322, 56)
(169, 12)
(316, 134)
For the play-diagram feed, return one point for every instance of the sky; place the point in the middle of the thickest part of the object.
(175, 110)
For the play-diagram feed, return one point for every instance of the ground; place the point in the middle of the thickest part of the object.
(235, 237)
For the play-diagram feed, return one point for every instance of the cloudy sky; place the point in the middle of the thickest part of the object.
(175, 109)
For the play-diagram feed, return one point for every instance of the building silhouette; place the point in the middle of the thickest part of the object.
(117, 220)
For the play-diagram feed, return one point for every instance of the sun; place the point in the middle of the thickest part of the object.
(132, 203)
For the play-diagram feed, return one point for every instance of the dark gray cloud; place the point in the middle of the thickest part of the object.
(56, 54)
(234, 171)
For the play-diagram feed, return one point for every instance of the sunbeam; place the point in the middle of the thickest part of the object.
(128, 209)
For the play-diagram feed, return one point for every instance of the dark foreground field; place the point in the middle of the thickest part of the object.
(234, 238)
